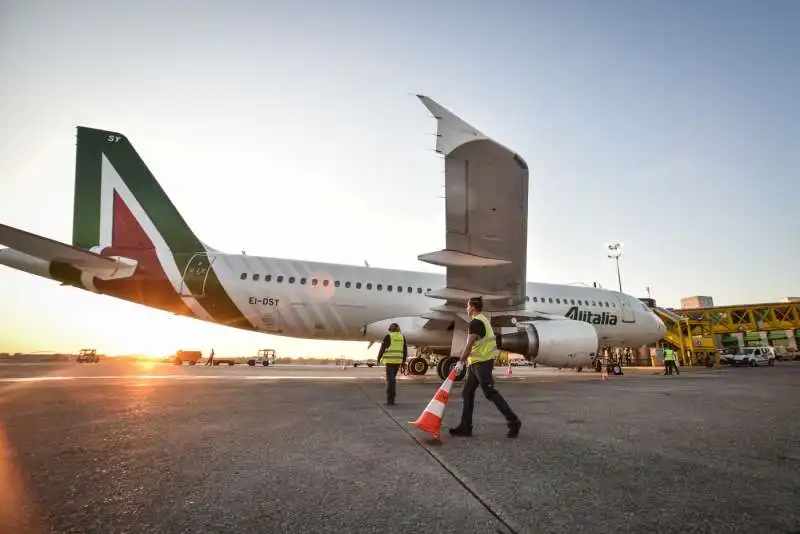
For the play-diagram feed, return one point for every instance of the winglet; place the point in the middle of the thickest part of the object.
(452, 130)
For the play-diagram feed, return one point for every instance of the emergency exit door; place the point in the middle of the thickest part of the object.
(195, 275)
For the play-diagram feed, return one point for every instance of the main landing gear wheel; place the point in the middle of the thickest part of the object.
(446, 365)
(417, 366)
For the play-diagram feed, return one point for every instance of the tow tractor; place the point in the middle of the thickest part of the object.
(87, 355)
(265, 357)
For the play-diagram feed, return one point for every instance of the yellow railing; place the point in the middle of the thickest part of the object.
(690, 337)
(747, 318)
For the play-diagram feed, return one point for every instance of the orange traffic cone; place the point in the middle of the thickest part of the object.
(431, 419)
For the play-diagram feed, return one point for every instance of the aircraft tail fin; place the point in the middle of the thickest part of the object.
(119, 203)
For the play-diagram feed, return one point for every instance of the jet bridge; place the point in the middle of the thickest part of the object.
(695, 329)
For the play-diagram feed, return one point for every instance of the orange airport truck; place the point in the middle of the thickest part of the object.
(191, 356)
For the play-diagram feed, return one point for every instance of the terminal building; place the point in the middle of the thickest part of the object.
(697, 302)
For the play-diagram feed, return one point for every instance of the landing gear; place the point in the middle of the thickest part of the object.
(446, 365)
(417, 366)
(613, 368)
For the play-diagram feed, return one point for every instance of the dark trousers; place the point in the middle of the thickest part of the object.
(669, 365)
(480, 374)
(391, 382)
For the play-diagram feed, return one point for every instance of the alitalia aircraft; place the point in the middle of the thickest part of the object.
(130, 242)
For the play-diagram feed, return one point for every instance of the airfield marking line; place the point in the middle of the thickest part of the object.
(178, 377)
(489, 507)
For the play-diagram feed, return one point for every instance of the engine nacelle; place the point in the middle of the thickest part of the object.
(555, 343)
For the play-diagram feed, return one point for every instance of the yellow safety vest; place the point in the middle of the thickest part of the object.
(394, 352)
(485, 348)
(669, 355)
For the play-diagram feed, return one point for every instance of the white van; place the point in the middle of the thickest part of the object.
(754, 356)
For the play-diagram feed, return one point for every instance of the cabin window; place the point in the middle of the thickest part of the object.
(550, 300)
(337, 283)
(369, 285)
(594, 303)
(613, 305)
(419, 290)
(380, 287)
(303, 281)
(255, 278)
(410, 289)
(558, 301)
(244, 276)
(389, 287)
(325, 283)
(267, 277)
(527, 299)
(429, 290)
(279, 279)
(291, 279)
(313, 281)
(358, 285)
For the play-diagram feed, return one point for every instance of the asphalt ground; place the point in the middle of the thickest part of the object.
(125, 447)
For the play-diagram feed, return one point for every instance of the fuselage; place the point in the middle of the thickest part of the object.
(326, 301)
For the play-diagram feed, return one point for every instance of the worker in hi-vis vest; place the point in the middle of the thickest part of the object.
(393, 352)
(479, 353)
(669, 361)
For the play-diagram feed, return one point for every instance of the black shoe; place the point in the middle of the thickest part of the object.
(461, 431)
(389, 403)
(513, 429)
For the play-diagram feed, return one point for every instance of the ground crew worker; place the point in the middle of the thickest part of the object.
(393, 352)
(669, 361)
(479, 353)
(211, 358)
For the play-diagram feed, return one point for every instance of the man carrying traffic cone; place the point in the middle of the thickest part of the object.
(480, 352)
(431, 419)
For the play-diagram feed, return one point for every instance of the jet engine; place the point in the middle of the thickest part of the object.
(554, 343)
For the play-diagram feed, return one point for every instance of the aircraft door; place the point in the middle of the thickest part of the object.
(195, 275)
(628, 315)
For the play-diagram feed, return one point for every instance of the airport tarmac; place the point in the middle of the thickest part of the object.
(113, 447)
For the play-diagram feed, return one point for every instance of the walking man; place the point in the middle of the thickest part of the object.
(669, 362)
(393, 352)
(479, 353)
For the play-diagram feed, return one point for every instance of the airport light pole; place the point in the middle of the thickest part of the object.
(615, 250)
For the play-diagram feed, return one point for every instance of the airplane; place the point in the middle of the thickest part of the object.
(130, 242)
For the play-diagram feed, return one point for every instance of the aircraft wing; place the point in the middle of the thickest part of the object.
(50, 250)
(486, 188)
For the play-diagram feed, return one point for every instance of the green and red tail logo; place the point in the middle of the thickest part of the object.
(114, 190)
(121, 210)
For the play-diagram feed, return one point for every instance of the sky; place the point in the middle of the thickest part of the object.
(282, 128)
